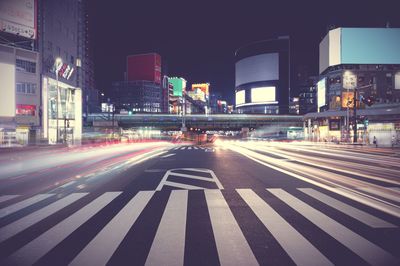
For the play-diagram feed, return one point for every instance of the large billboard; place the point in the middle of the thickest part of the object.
(240, 97)
(263, 95)
(263, 67)
(205, 87)
(144, 67)
(179, 85)
(397, 81)
(7, 84)
(18, 17)
(359, 46)
(321, 93)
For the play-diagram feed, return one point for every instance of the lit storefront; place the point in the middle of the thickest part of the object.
(62, 112)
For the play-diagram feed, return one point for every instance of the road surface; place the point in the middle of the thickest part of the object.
(231, 203)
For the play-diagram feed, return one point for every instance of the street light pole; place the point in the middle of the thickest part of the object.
(58, 62)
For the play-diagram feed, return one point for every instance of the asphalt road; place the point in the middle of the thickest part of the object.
(231, 203)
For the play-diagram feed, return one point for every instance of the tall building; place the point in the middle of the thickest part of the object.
(262, 77)
(364, 62)
(61, 27)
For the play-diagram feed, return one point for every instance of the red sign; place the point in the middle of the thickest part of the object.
(144, 67)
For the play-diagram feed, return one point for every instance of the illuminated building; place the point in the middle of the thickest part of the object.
(362, 59)
(262, 77)
(204, 87)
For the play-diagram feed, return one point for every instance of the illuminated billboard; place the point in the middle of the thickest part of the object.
(205, 87)
(359, 46)
(179, 85)
(144, 67)
(397, 81)
(7, 81)
(321, 93)
(263, 67)
(240, 97)
(18, 17)
(263, 94)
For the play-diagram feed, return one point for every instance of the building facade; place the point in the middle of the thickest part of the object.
(359, 65)
(262, 77)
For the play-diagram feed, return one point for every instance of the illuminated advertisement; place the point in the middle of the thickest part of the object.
(263, 94)
(144, 67)
(179, 85)
(197, 95)
(360, 46)
(240, 97)
(257, 68)
(349, 80)
(7, 78)
(397, 81)
(321, 92)
(204, 87)
(18, 17)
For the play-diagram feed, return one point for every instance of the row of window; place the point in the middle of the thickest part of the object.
(26, 88)
(24, 65)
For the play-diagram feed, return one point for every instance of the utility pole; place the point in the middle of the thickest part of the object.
(355, 116)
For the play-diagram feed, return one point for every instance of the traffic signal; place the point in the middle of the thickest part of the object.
(370, 100)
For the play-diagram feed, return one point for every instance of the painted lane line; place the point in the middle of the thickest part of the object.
(355, 213)
(192, 177)
(181, 185)
(300, 250)
(367, 250)
(232, 246)
(103, 246)
(23, 204)
(395, 188)
(18, 226)
(7, 197)
(389, 194)
(68, 184)
(336, 188)
(168, 155)
(37, 248)
(168, 247)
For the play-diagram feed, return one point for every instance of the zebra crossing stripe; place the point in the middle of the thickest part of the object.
(103, 246)
(37, 248)
(189, 148)
(168, 246)
(18, 226)
(368, 251)
(232, 246)
(195, 148)
(7, 197)
(23, 204)
(296, 246)
(183, 148)
(355, 213)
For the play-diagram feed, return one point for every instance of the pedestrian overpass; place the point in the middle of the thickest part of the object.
(203, 122)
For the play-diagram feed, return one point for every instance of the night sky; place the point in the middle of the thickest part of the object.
(198, 39)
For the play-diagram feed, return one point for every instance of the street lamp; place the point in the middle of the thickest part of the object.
(58, 62)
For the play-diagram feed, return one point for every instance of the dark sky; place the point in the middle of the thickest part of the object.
(198, 38)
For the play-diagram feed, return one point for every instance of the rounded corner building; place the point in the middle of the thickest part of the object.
(262, 77)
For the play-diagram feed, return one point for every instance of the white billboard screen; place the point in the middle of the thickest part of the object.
(263, 67)
(18, 17)
(263, 94)
(321, 92)
(397, 81)
(7, 85)
(240, 97)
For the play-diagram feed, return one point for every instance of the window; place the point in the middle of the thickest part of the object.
(50, 46)
(27, 66)
(58, 50)
(26, 88)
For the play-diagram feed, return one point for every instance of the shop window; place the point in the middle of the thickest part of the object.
(25, 109)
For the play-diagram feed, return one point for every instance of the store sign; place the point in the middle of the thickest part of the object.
(18, 17)
(64, 70)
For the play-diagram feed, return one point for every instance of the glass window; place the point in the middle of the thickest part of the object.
(26, 66)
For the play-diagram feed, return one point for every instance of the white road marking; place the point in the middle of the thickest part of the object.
(189, 148)
(37, 248)
(389, 194)
(181, 185)
(195, 148)
(23, 204)
(7, 197)
(18, 226)
(67, 184)
(232, 246)
(395, 188)
(103, 246)
(168, 246)
(168, 155)
(355, 213)
(367, 250)
(296, 246)
(173, 172)
(183, 148)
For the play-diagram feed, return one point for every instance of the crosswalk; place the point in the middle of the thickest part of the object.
(271, 210)
(192, 148)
